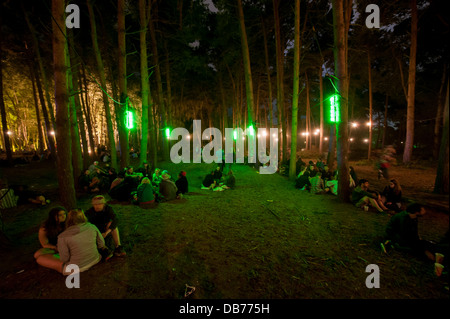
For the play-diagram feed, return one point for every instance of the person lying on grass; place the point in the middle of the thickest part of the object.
(362, 196)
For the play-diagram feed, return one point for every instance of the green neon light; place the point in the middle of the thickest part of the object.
(334, 109)
(234, 134)
(129, 120)
(252, 131)
(168, 132)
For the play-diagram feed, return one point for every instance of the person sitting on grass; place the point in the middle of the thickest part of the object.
(209, 181)
(316, 184)
(230, 181)
(218, 175)
(27, 196)
(392, 195)
(402, 232)
(145, 193)
(182, 183)
(331, 185)
(80, 244)
(49, 231)
(103, 216)
(302, 182)
(156, 178)
(167, 188)
(362, 196)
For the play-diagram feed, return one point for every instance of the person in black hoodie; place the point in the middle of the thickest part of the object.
(182, 183)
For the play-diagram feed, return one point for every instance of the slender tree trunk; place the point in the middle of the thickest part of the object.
(280, 78)
(385, 121)
(439, 118)
(409, 142)
(87, 112)
(369, 70)
(145, 86)
(341, 9)
(160, 95)
(308, 114)
(295, 94)
(441, 185)
(321, 133)
(122, 62)
(64, 156)
(248, 77)
(36, 106)
(9, 157)
(268, 71)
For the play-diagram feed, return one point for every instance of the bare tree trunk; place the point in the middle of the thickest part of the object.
(409, 142)
(64, 156)
(269, 81)
(385, 121)
(36, 105)
(248, 77)
(341, 10)
(145, 86)
(321, 133)
(442, 176)
(122, 61)
(295, 93)
(439, 118)
(369, 70)
(160, 95)
(3, 110)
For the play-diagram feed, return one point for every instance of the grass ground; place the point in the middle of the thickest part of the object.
(263, 240)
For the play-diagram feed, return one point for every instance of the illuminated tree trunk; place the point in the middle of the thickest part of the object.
(247, 75)
(369, 70)
(280, 77)
(101, 73)
(76, 89)
(439, 116)
(295, 93)
(64, 154)
(409, 141)
(36, 106)
(3, 110)
(87, 113)
(145, 86)
(385, 121)
(160, 95)
(268, 71)
(442, 177)
(122, 61)
(308, 115)
(321, 111)
(341, 17)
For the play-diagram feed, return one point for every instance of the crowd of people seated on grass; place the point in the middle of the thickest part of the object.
(317, 178)
(140, 186)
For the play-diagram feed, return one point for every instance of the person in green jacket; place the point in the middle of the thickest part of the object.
(145, 193)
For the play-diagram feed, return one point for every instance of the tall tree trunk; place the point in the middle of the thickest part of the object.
(75, 67)
(160, 95)
(280, 77)
(122, 62)
(3, 109)
(77, 159)
(308, 114)
(268, 71)
(439, 119)
(293, 159)
(442, 175)
(248, 79)
(145, 86)
(409, 142)
(64, 156)
(87, 112)
(385, 121)
(36, 106)
(341, 16)
(369, 70)
(321, 133)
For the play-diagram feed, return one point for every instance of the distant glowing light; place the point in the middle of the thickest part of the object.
(52, 132)
(129, 121)
(325, 138)
(354, 124)
(366, 140)
(369, 123)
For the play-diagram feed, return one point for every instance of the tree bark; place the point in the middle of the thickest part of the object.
(341, 10)
(369, 72)
(122, 62)
(9, 157)
(409, 141)
(441, 185)
(145, 86)
(64, 156)
(439, 116)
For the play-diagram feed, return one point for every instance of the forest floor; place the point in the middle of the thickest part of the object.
(263, 240)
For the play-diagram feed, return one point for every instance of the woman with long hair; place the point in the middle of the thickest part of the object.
(49, 231)
(392, 195)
